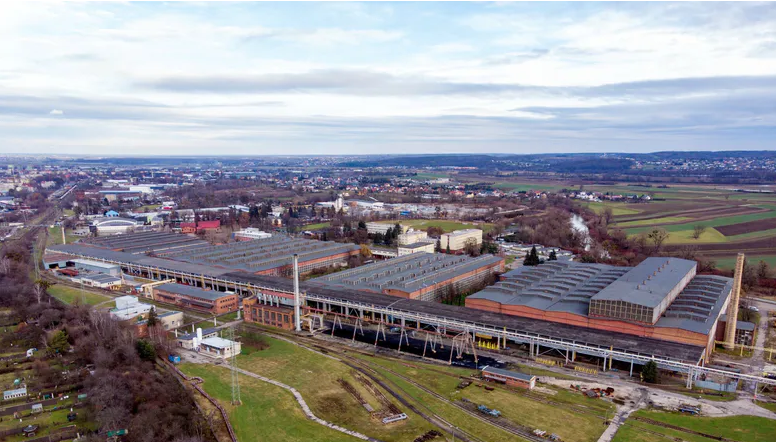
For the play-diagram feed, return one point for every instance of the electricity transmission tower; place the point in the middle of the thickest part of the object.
(235, 379)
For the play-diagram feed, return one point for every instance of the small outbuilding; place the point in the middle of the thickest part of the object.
(510, 378)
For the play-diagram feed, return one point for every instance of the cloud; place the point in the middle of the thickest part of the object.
(372, 83)
(56, 112)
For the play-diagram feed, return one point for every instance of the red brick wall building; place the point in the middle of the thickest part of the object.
(190, 297)
(279, 317)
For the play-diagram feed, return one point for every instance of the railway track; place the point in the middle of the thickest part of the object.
(678, 428)
(507, 428)
(316, 346)
(362, 365)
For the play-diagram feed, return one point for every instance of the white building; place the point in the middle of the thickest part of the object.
(219, 347)
(129, 308)
(378, 227)
(416, 247)
(112, 226)
(251, 233)
(15, 393)
(413, 236)
(456, 240)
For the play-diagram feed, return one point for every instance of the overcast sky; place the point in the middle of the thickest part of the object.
(374, 78)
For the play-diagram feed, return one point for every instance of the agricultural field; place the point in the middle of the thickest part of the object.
(519, 186)
(446, 225)
(736, 428)
(69, 295)
(732, 222)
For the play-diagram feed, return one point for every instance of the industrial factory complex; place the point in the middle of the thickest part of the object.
(661, 298)
(657, 311)
(420, 276)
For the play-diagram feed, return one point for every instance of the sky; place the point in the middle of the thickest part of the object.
(200, 78)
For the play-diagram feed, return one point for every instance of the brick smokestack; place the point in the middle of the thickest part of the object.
(732, 311)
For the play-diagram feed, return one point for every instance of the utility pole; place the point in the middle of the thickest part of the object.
(235, 375)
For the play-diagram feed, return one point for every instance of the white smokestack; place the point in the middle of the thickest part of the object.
(297, 303)
(199, 334)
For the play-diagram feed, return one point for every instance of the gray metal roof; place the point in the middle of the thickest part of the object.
(101, 278)
(192, 335)
(192, 291)
(128, 258)
(409, 272)
(649, 283)
(561, 286)
(262, 254)
(569, 287)
(416, 245)
(507, 373)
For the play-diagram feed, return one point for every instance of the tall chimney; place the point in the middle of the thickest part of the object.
(732, 311)
(297, 303)
(63, 235)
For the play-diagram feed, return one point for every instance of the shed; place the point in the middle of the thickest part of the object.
(510, 378)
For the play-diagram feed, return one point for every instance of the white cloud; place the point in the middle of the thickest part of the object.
(295, 68)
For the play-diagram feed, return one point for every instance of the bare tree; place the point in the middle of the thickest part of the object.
(698, 230)
(657, 237)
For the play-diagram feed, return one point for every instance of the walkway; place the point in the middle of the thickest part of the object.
(308, 412)
(621, 416)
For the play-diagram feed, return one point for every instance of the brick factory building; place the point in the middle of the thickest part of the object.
(420, 276)
(278, 316)
(190, 297)
(660, 298)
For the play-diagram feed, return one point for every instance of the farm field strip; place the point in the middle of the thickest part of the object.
(653, 221)
(748, 228)
(716, 222)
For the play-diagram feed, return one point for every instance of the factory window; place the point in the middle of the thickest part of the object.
(272, 314)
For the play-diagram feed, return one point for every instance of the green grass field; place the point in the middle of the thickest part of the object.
(521, 186)
(68, 295)
(316, 226)
(316, 376)
(714, 222)
(570, 425)
(55, 236)
(729, 262)
(737, 428)
(618, 208)
(446, 225)
(268, 413)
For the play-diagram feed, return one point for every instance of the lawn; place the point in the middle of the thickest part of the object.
(68, 295)
(268, 413)
(316, 376)
(737, 428)
(446, 225)
(55, 236)
(570, 425)
(316, 226)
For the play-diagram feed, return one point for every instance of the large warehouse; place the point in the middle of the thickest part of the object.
(270, 256)
(660, 298)
(420, 276)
